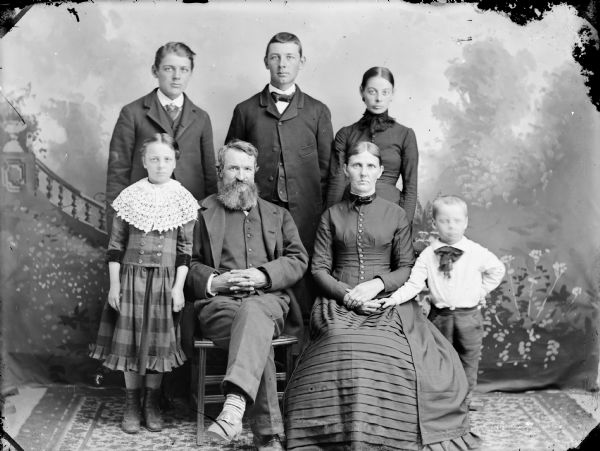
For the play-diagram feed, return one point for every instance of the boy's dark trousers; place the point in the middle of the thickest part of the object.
(463, 327)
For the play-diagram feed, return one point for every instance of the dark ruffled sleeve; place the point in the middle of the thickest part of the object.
(185, 240)
(403, 256)
(119, 236)
(408, 170)
(322, 262)
(337, 178)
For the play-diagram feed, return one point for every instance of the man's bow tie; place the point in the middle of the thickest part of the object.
(281, 97)
(448, 255)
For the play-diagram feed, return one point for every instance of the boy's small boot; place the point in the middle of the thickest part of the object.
(152, 414)
(132, 415)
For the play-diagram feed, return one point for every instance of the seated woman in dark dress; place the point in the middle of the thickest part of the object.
(397, 144)
(372, 378)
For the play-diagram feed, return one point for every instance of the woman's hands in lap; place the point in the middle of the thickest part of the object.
(360, 298)
(368, 307)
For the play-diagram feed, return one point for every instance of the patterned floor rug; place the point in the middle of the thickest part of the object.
(80, 418)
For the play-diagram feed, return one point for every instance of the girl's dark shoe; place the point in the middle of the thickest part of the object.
(152, 414)
(132, 416)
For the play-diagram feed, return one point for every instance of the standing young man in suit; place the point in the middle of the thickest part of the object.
(164, 110)
(293, 134)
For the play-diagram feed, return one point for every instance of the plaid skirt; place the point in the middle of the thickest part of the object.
(144, 334)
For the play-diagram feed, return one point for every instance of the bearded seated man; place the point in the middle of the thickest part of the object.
(247, 255)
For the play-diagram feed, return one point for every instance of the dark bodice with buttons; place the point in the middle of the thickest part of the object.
(152, 249)
(356, 243)
(362, 246)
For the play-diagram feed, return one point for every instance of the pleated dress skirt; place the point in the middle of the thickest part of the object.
(355, 385)
(143, 335)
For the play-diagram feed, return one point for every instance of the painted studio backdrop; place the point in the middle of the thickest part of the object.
(500, 111)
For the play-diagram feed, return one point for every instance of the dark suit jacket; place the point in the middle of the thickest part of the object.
(305, 136)
(287, 259)
(140, 120)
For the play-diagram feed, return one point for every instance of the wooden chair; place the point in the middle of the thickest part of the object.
(202, 346)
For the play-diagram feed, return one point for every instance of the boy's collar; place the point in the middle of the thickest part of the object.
(460, 244)
(164, 100)
(291, 90)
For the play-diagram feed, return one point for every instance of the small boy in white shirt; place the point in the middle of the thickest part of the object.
(459, 273)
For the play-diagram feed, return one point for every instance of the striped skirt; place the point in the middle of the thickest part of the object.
(144, 334)
(355, 386)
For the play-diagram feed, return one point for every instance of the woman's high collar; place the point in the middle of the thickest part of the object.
(376, 123)
(356, 199)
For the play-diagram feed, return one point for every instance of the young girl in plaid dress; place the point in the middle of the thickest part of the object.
(148, 258)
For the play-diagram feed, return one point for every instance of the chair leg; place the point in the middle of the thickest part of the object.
(289, 364)
(201, 396)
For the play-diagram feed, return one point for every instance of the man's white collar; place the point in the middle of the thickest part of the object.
(164, 100)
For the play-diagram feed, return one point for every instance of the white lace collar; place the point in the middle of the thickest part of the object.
(148, 207)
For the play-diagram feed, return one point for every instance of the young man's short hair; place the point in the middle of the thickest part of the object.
(283, 38)
(178, 48)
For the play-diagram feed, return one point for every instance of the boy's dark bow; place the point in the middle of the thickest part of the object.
(448, 255)
(281, 97)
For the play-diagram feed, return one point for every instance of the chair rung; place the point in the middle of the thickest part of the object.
(214, 399)
(282, 340)
(213, 379)
(220, 399)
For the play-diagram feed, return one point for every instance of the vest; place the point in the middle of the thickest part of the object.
(280, 187)
(243, 243)
(167, 119)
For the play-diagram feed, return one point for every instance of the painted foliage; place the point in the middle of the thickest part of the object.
(501, 111)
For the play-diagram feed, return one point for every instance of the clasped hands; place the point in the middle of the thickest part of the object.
(360, 298)
(239, 281)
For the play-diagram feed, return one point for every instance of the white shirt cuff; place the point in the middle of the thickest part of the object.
(209, 284)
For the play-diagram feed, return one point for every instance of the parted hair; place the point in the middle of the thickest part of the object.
(364, 146)
(161, 138)
(178, 48)
(448, 200)
(377, 71)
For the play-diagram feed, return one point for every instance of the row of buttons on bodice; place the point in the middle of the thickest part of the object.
(158, 252)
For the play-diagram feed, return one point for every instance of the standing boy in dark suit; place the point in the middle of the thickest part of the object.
(164, 110)
(293, 134)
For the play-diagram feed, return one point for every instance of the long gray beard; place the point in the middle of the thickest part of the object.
(238, 195)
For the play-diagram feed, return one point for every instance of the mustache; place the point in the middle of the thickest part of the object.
(238, 194)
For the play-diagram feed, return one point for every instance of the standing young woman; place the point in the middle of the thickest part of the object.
(397, 143)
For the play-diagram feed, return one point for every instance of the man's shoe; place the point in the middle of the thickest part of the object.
(227, 427)
(132, 414)
(267, 442)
